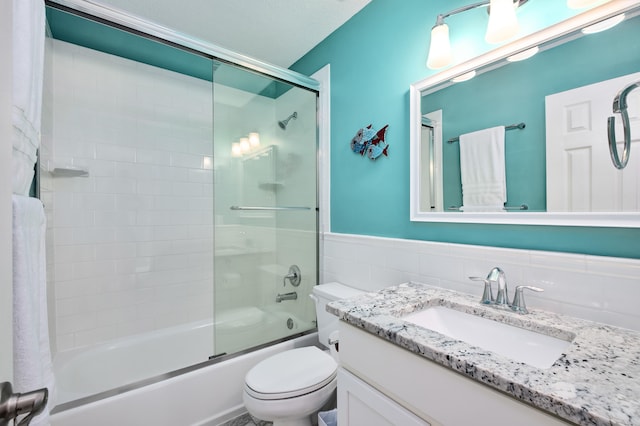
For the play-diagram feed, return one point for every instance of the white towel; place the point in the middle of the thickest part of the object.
(482, 170)
(28, 78)
(32, 365)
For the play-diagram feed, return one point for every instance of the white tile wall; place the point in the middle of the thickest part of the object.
(597, 288)
(131, 245)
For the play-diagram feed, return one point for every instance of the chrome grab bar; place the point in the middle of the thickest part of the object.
(620, 106)
(265, 208)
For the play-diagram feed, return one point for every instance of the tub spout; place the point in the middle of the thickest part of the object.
(286, 296)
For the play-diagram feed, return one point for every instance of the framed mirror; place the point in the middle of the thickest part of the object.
(550, 180)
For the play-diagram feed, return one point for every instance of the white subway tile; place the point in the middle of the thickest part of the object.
(170, 232)
(94, 336)
(187, 189)
(153, 248)
(191, 161)
(63, 272)
(65, 342)
(86, 202)
(399, 259)
(75, 323)
(93, 235)
(133, 202)
(114, 218)
(115, 185)
(115, 251)
(149, 156)
(74, 253)
(115, 153)
(93, 269)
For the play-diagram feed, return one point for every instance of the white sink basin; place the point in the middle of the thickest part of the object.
(535, 349)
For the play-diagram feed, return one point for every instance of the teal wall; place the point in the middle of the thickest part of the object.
(515, 93)
(374, 58)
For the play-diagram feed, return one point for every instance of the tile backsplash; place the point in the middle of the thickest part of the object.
(603, 289)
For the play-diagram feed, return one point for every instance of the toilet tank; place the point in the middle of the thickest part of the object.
(323, 294)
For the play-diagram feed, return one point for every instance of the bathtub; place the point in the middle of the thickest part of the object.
(204, 394)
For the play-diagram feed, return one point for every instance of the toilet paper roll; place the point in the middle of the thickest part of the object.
(333, 347)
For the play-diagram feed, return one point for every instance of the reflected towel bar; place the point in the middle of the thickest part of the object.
(520, 207)
(509, 127)
(259, 208)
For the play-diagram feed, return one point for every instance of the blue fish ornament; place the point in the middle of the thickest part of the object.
(370, 142)
(375, 151)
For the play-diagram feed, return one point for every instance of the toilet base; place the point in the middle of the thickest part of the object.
(297, 422)
(297, 411)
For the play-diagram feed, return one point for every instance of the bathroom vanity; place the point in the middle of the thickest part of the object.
(397, 372)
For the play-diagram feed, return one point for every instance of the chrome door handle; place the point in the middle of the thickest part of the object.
(13, 405)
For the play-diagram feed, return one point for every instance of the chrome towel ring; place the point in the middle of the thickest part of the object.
(620, 106)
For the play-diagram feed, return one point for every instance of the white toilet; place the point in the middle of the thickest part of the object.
(287, 388)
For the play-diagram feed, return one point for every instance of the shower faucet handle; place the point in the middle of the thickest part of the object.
(294, 276)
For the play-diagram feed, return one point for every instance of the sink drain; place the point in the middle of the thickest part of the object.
(289, 323)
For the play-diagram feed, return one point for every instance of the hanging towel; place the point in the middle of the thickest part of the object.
(28, 78)
(32, 365)
(482, 170)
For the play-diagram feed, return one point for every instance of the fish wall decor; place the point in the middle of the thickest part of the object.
(370, 143)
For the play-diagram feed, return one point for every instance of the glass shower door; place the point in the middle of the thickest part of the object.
(265, 224)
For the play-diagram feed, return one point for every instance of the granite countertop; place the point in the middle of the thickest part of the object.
(595, 382)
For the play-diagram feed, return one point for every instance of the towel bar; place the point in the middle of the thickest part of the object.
(509, 127)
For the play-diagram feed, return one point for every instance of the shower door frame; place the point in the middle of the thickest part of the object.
(114, 17)
(143, 28)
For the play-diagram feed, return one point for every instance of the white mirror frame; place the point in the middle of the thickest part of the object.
(545, 38)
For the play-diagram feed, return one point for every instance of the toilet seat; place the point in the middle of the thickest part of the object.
(290, 374)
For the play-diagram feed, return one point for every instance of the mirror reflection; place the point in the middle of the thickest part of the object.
(550, 152)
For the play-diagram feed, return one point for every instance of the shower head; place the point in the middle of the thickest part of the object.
(283, 123)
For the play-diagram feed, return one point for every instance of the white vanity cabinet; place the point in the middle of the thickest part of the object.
(391, 382)
(361, 404)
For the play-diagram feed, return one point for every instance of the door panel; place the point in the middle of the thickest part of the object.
(580, 175)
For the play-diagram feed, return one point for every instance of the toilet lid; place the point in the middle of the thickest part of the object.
(291, 373)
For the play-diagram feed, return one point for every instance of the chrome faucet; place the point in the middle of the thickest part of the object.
(518, 304)
(497, 275)
(286, 296)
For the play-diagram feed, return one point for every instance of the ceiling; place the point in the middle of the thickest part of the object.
(274, 31)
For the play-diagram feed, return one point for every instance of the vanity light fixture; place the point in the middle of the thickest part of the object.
(254, 140)
(604, 25)
(236, 150)
(525, 54)
(502, 25)
(245, 145)
(464, 77)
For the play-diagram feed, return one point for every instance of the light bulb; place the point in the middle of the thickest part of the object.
(526, 54)
(464, 77)
(245, 146)
(439, 48)
(503, 23)
(603, 25)
(236, 150)
(254, 140)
